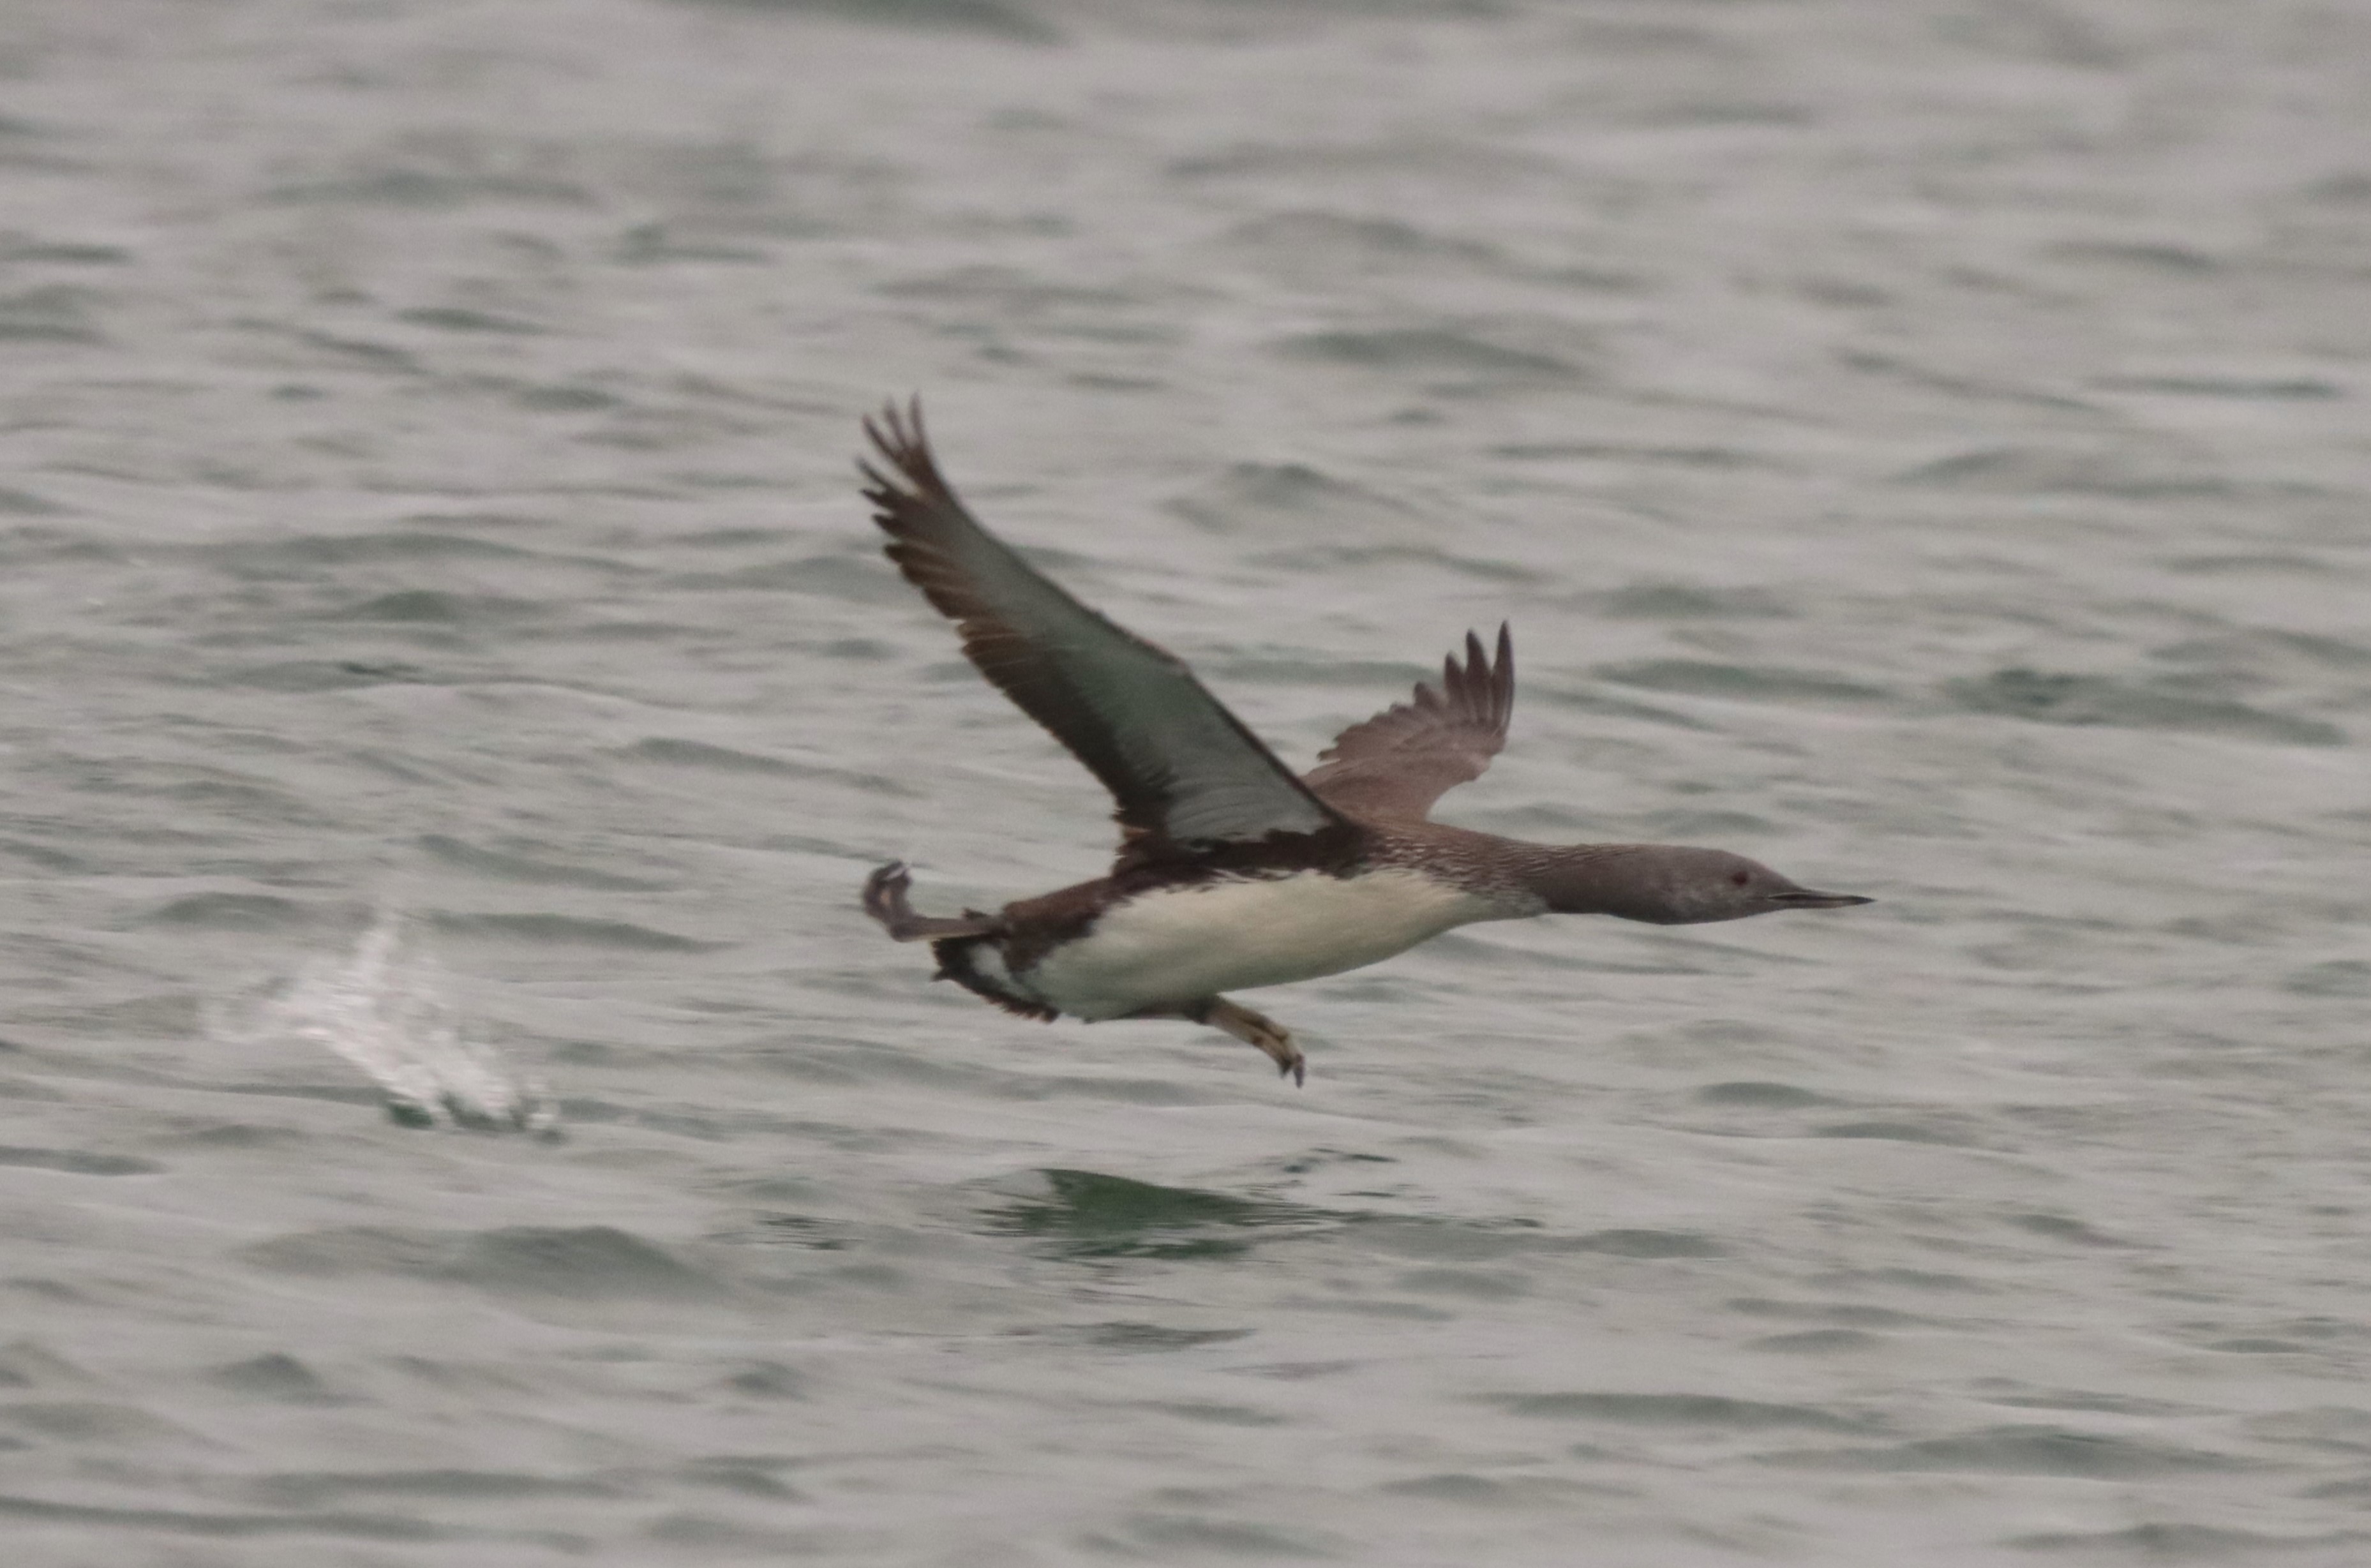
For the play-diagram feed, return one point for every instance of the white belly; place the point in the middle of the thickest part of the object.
(1183, 944)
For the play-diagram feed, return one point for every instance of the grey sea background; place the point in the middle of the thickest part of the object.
(1920, 443)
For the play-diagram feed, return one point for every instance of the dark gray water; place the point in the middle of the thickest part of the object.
(1921, 446)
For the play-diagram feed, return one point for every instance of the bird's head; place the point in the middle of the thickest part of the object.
(1669, 885)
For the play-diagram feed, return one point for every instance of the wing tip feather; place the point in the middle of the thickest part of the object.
(938, 547)
(900, 435)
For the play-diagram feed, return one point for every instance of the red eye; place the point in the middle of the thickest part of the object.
(1740, 877)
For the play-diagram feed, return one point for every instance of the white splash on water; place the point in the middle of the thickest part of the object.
(384, 1008)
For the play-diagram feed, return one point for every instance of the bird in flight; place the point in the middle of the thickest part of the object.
(1234, 872)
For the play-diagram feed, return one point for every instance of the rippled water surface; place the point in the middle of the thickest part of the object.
(1922, 445)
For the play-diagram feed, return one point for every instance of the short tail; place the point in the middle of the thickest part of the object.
(959, 960)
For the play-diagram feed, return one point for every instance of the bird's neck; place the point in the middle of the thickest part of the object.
(1594, 879)
(1579, 879)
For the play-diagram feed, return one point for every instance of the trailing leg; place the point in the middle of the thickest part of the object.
(885, 900)
(1255, 1029)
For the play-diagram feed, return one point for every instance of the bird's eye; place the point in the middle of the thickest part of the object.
(1740, 877)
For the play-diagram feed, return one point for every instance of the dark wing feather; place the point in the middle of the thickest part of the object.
(1398, 763)
(1188, 777)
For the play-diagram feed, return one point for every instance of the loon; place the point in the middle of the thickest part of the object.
(1232, 873)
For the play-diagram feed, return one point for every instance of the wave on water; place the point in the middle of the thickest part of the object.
(384, 1008)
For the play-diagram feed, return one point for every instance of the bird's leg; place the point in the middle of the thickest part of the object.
(1255, 1029)
(885, 900)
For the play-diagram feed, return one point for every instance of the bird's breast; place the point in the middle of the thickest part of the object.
(1180, 944)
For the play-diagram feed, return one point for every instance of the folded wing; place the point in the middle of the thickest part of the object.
(1398, 763)
(1187, 776)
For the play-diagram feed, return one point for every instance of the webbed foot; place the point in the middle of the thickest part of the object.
(885, 900)
(1259, 1030)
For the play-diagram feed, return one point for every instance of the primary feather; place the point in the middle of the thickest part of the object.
(1188, 777)
(1398, 763)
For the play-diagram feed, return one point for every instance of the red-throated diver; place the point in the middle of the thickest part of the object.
(1231, 873)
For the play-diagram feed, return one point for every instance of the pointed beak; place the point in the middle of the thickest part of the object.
(1804, 898)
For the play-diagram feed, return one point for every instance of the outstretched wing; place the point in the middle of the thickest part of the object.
(1187, 776)
(1398, 763)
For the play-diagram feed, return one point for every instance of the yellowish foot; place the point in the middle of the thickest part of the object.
(1258, 1029)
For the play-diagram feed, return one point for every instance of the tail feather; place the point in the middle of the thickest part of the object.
(958, 961)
